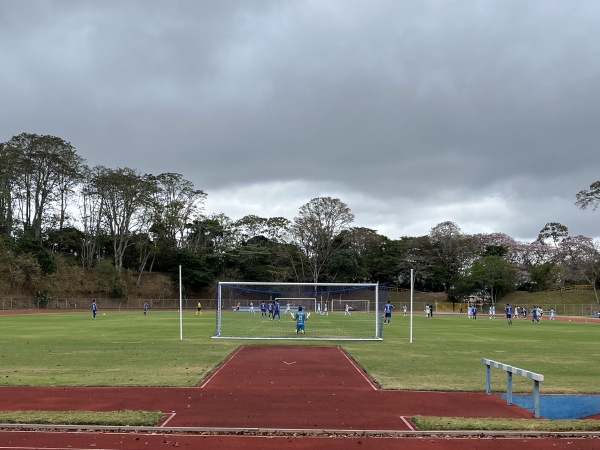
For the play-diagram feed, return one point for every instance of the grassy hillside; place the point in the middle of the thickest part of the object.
(558, 297)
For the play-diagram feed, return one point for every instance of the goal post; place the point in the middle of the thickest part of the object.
(324, 303)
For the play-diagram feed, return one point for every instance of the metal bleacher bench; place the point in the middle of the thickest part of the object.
(536, 377)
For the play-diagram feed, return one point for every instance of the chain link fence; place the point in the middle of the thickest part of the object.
(73, 304)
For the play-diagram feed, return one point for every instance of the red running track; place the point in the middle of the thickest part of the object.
(270, 387)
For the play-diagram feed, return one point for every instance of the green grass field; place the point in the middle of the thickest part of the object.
(331, 326)
(130, 349)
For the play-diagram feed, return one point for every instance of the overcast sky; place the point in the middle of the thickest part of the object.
(412, 112)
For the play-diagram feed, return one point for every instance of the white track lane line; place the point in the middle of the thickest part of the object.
(359, 370)
(408, 424)
(173, 414)
(208, 380)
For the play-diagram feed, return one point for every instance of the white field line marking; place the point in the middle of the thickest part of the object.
(410, 427)
(208, 380)
(173, 414)
(289, 363)
(359, 370)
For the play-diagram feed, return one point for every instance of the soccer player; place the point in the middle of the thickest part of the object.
(508, 310)
(146, 307)
(270, 309)
(325, 312)
(474, 312)
(552, 313)
(300, 318)
(318, 308)
(347, 310)
(263, 309)
(199, 308)
(252, 308)
(237, 307)
(388, 312)
(94, 309)
(535, 314)
(276, 311)
(427, 310)
(404, 310)
(287, 308)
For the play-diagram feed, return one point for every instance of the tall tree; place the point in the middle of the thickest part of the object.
(453, 252)
(9, 174)
(127, 206)
(581, 256)
(366, 256)
(417, 254)
(494, 274)
(49, 168)
(90, 214)
(554, 232)
(314, 229)
(251, 226)
(589, 198)
(177, 203)
(259, 249)
(523, 256)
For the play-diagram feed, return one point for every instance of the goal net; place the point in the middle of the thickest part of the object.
(335, 311)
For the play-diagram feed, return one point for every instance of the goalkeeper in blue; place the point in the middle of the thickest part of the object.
(300, 319)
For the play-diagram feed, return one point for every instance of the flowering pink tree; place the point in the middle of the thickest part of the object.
(580, 255)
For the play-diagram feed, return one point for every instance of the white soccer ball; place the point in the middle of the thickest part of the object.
(103, 314)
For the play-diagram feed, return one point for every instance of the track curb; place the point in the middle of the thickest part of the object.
(298, 432)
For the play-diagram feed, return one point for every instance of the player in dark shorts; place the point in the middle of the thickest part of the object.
(276, 311)
(387, 309)
(508, 310)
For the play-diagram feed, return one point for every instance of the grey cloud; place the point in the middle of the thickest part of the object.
(406, 110)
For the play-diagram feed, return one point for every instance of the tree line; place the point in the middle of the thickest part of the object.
(57, 214)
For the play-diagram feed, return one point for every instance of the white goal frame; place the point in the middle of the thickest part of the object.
(377, 319)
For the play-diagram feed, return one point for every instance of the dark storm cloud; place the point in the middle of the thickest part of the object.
(416, 112)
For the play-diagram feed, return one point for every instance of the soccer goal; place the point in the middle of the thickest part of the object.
(324, 304)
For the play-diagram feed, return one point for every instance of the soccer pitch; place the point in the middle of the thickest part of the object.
(130, 349)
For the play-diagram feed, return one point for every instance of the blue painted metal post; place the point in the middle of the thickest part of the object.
(509, 388)
(488, 381)
(536, 399)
